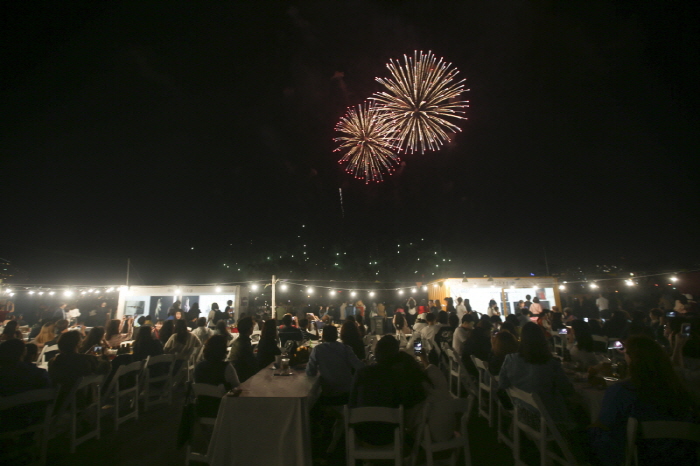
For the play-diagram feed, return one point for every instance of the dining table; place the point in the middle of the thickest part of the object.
(266, 421)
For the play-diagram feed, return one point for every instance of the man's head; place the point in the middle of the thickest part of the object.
(245, 326)
(330, 333)
(430, 318)
(303, 323)
(229, 302)
(287, 320)
(11, 351)
(459, 300)
(467, 320)
(68, 342)
(387, 348)
(528, 297)
(202, 322)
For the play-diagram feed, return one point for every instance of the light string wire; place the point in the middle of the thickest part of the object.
(36, 287)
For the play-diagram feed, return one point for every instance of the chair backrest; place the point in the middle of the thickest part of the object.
(547, 429)
(162, 358)
(47, 352)
(679, 430)
(23, 414)
(205, 389)
(439, 418)
(376, 414)
(162, 361)
(600, 343)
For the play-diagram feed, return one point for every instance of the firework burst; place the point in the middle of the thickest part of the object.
(370, 142)
(419, 97)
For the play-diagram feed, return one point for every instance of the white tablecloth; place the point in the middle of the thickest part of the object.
(268, 424)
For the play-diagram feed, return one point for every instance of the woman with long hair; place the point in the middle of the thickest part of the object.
(267, 347)
(350, 335)
(95, 338)
(46, 334)
(118, 331)
(145, 345)
(533, 369)
(213, 369)
(653, 392)
(581, 345)
(11, 332)
(166, 331)
(402, 328)
(502, 344)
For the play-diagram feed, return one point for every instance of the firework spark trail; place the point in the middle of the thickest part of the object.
(420, 96)
(370, 142)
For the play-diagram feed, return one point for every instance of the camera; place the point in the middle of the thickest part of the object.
(685, 330)
(616, 344)
(417, 346)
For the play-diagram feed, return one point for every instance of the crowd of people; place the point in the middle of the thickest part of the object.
(659, 369)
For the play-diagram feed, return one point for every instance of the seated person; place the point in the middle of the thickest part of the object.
(267, 346)
(478, 344)
(581, 345)
(118, 331)
(288, 332)
(336, 362)
(17, 376)
(181, 343)
(242, 355)
(69, 365)
(350, 336)
(214, 370)
(145, 345)
(94, 340)
(46, 334)
(533, 369)
(397, 379)
(202, 331)
(11, 331)
(461, 333)
(304, 325)
(59, 329)
(653, 392)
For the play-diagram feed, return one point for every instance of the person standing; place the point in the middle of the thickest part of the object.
(460, 308)
(61, 313)
(603, 306)
(535, 308)
(229, 310)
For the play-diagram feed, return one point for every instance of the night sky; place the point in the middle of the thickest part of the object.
(146, 129)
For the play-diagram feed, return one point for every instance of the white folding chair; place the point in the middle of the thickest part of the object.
(485, 389)
(358, 450)
(30, 412)
(559, 344)
(454, 379)
(84, 401)
(501, 413)
(47, 352)
(158, 380)
(659, 429)
(543, 435)
(123, 391)
(203, 390)
(438, 431)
